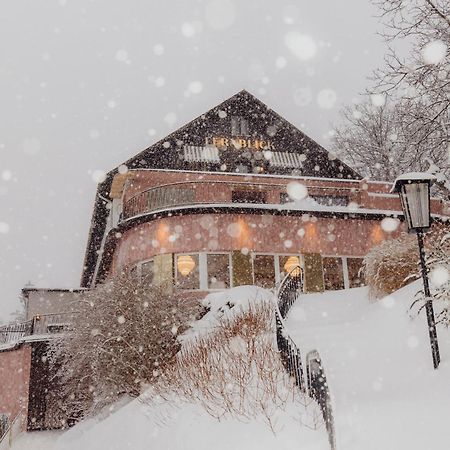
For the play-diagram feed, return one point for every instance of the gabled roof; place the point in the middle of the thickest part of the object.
(258, 141)
(264, 126)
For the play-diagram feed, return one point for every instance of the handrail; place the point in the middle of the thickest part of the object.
(39, 324)
(141, 202)
(13, 332)
(291, 356)
(289, 352)
(8, 431)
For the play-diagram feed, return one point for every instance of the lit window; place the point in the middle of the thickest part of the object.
(147, 271)
(333, 274)
(243, 196)
(355, 274)
(264, 270)
(288, 264)
(218, 271)
(187, 273)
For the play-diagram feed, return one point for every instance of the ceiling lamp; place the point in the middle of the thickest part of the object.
(185, 264)
(292, 266)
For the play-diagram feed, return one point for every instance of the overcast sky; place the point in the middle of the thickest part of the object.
(86, 84)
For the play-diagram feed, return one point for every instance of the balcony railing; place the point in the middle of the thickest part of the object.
(201, 193)
(43, 324)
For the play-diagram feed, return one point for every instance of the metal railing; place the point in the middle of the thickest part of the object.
(318, 390)
(43, 324)
(9, 429)
(290, 354)
(13, 332)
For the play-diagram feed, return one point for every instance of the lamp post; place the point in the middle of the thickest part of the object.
(414, 192)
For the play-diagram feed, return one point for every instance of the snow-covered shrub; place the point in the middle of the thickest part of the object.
(394, 263)
(438, 265)
(391, 265)
(123, 337)
(234, 369)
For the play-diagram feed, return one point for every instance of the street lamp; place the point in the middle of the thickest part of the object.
(414, 192)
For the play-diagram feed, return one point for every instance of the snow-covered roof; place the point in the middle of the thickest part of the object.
(412, 176)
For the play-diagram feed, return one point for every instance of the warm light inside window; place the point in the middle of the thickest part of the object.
(185, 264)
(292, 265)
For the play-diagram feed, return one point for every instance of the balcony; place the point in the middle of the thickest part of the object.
(40, 326)
(196, 193)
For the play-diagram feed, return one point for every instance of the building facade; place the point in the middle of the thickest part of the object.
(238, 196)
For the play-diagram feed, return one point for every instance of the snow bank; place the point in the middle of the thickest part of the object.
(185, 425)
(226, 304)
(386, 394)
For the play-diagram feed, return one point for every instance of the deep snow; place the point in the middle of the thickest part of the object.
(386, 394)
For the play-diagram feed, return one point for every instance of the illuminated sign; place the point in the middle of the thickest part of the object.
(239, 143)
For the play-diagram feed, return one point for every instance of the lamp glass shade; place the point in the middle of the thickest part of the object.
(185, 264)
(415, 199)
(292, 266)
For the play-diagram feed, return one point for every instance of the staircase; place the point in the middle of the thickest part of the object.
(316, 386)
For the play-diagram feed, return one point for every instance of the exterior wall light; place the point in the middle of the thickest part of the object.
(414, 192)
(185, 264)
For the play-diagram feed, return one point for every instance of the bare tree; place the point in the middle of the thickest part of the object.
(380, 141)
(421, 79)
(414, 123)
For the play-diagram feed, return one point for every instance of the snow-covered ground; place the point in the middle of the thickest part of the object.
(386, 394)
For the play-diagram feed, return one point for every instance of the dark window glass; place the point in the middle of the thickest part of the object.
(330, 200)
(332, 273)
(241, 196)
(187, 272)
(284, 198)
(218, 271)
(264, 270)
(355, 273)
(147, 271)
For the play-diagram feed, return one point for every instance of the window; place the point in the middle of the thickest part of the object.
(288, 263)
(333, 274)
(218, 271)
(355, 275)
(239, 126)
(287, 160)
(187, 271)
(248, 196)
(264, 270)
(147, 271)
(166, 196)
(194, 153)
(330, 200)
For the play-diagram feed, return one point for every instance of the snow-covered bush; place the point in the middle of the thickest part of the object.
(391, 265)
(438, 264)
(234, 370)
(123, 337)
(395, 263)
